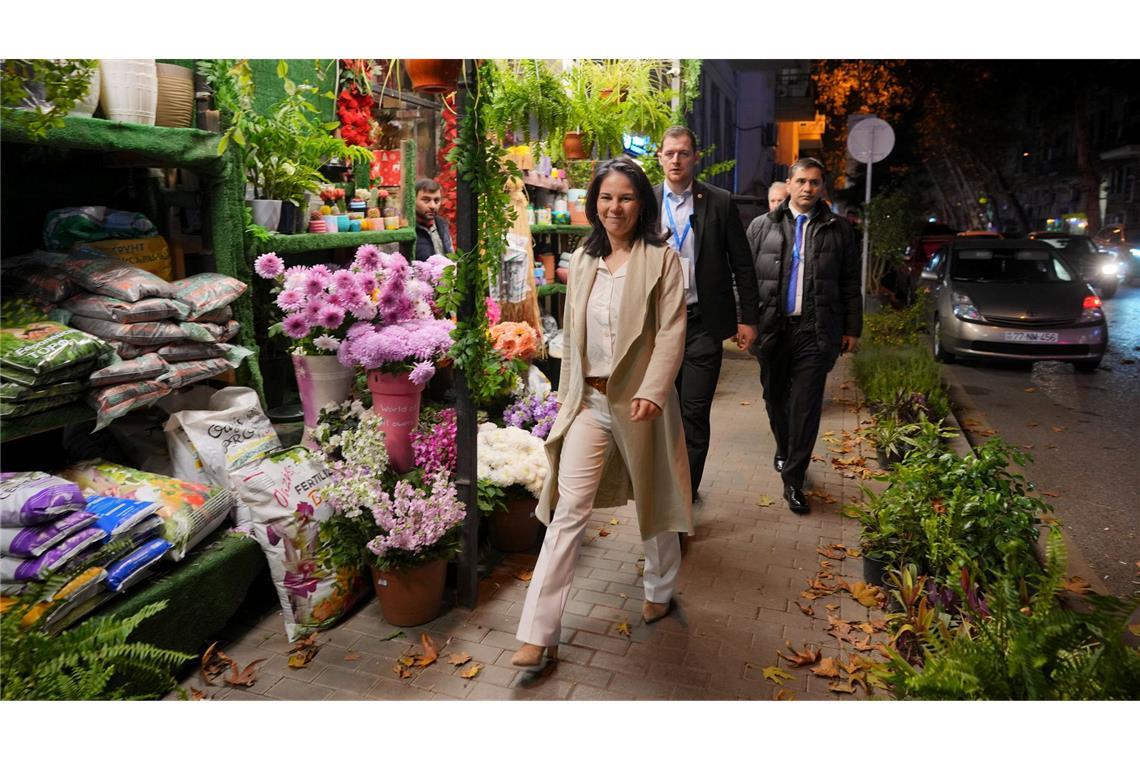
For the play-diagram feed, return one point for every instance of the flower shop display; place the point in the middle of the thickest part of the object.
(399, 347)
(283, 495)
(405, 537)
(514, 460)
(354, 102)
(433, 443)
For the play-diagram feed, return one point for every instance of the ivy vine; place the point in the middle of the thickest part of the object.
(482, 163)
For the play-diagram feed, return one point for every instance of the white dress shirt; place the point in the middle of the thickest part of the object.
(682, 209)
(602, 318)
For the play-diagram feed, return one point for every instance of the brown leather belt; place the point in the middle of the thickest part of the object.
(597, 383)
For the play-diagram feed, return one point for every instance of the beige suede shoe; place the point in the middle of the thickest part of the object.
(530, 655)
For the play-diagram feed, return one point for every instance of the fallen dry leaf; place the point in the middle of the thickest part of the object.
(829, 437)
(1135, 629)
(615, 521)
(430, 655)
(1030, 390)
(1027, 446)
(1077, 585)
(806, 610)
(402, 670)
(865, 645)
(523, 575)
(802, 657)
(843, 688)
(866, 627)
(459, 659)
(783, 695)
(815, 458)
(765, 501)
(825, 565)
(471, 672)
(623, 629)
(776, 675)
(352, 656)
(826, 668)
(1033, 424)
(838, 626)
(214, 662)
(603, 532)
(831, 607)
(854, 553)
(866, 595)
(303, 652)
(1058, 428)
(196, 694)
(246, 677)
(746, 403)
(407, 660)
(830, 552)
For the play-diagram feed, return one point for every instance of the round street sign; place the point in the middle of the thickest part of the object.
(870, 140)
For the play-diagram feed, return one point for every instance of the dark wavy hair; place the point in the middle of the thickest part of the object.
(646, 229)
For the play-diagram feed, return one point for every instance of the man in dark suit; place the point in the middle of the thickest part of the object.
(808, 264)
(704, 226)
(431, 238)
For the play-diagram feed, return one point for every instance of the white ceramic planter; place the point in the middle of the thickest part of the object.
(129, 89)
(267, 213)
(86, 107)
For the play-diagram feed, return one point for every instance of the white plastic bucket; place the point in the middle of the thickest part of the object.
(129, 89)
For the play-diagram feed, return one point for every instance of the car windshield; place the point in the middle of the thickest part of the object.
(1078, 246)
(1008, 265)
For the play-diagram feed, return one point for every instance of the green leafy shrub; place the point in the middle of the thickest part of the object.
(883, 371)
(94, 660)
(1029, 646)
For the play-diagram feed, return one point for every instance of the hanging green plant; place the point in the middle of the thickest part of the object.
(482, 164)
(38, 92)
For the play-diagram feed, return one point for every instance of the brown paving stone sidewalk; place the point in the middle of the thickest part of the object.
(736, 602)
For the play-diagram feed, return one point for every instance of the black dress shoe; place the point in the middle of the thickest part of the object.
(778, 463)
(797, 502)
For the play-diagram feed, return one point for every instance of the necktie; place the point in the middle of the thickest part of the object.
(797, 247)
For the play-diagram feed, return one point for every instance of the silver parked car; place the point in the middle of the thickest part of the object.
(1013, 299)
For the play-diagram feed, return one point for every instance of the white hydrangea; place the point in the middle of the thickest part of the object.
(511, 456)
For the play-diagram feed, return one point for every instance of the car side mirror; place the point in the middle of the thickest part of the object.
(928, 275)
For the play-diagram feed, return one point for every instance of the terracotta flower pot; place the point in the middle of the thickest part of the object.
(432, 75)
(411, 596)
(572, 146)
(517, 529)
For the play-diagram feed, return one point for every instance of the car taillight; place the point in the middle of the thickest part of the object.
(1091, 302)
(1091, 311)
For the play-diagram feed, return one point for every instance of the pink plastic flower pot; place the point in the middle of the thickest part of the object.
(320, 380)
(397, 400)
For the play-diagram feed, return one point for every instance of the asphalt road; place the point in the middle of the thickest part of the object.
(1083, 432)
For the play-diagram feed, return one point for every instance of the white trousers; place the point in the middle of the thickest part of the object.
(584, 450)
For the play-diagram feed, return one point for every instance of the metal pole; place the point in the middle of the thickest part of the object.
(466, 215)
(866, 216)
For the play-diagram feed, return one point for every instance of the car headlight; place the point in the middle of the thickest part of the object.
(1135, 251)
(964, 308)
(1110, 268)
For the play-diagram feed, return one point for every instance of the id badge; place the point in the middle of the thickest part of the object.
(686, 271)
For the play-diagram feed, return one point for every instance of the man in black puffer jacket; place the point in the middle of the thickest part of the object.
(808, 268)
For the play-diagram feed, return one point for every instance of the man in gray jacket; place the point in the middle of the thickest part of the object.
(808, 268)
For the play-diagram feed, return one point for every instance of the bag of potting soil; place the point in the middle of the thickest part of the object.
(34, 540)
(185, 373)
(63, 227)
(11, 409)
(31, 498)
(114, 401)
(145, 367)
(22, 310)
(128, 351)
(137, 565)
(231, 433)
(17, 393)
(282, 492)
(37, 275)
(217, 316)
(124, 312)
(188, 352)
(118, 516)
(189, 511)
(207, 291)
(41, 353)
(108, 276)
(19, 569)
(146, 333)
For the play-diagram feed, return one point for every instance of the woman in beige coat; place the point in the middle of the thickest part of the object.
(618, 434)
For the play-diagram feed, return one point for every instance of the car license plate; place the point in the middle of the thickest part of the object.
(1031, 337)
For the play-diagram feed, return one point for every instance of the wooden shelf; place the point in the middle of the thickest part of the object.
(319, 241)
(567, 229)
(12, 428)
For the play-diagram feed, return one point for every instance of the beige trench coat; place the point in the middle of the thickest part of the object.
(649, 463)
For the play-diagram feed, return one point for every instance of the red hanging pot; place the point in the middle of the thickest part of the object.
(572, 146)
(433, 75)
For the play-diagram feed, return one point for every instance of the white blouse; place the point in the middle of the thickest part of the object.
(602, 319)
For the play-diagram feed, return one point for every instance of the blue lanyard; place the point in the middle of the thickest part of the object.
(673, 226)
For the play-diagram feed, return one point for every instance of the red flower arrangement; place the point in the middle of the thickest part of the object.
(354, 103)
(447, 177)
